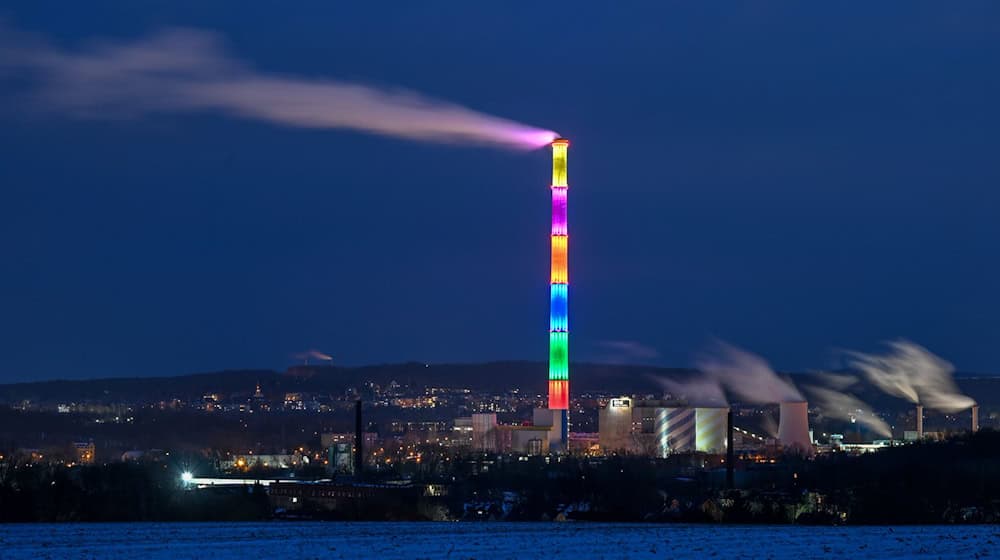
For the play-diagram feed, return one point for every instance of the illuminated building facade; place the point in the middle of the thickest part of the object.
(85, 451)
(559, 296)
(660, 428)
(710, 429)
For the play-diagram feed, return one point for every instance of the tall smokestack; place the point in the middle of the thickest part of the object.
(559, 292)
(793, 426)
(359, 441)
(730, 454)
(975, 418)
(920, 422)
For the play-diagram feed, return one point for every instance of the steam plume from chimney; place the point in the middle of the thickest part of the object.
(844, 406)
(747, 375)
(695, 391)
(185, 70)
(911, 372)
(315, 354)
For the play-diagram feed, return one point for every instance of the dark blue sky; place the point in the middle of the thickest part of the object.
(794, 179)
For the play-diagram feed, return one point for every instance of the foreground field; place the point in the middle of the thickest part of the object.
(496, 541)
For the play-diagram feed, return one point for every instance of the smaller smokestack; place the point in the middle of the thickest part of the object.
(920, 422)
(359, 443)
(730, 454)
(975, 418)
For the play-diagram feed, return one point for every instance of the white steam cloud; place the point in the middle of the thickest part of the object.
(184, 70)
(314, 354)
(769, 425)
(844, 406)
(695, 391)
(913, 373)
(730, 370)
(747, 375)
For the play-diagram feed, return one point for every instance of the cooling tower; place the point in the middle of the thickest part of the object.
(674, 430)
(793, 426)
(710, 429)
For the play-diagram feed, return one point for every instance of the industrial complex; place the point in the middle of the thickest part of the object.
(416, 440)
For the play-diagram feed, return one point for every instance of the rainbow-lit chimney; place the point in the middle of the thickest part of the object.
(559, 304)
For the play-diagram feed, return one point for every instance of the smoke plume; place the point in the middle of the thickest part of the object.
(695, 391)
(184, 70)
(844, 406)
(911, 372)
(747, 375)
(769, 425)
(314, 354)
(837, 381)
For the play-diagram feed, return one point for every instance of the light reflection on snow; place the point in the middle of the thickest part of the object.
(495, 541)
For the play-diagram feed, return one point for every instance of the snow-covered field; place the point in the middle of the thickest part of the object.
(492, 541)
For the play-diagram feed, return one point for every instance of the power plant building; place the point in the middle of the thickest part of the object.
(616, 425)
(484, 432)
(554, 422)
(674, 430)
(489, 436)
(710, 429)
(659, 428)
(523, 440)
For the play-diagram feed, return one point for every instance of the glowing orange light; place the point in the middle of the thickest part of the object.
(560, 249)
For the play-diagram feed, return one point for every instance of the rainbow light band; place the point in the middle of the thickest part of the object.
(560, 258)
(559, 210)
(558, 356)
(558, 308)
(559, 288)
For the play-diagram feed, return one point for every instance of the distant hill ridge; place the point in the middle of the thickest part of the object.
(491, 376)
(333, 380)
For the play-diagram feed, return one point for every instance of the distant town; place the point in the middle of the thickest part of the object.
(389, 442)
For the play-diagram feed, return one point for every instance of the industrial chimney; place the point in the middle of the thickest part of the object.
(730, 452)
(793, 426)
(559, 295)
(920, 422)
(975, 418)
(359, 441)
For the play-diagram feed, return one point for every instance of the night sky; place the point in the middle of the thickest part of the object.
(794, 179)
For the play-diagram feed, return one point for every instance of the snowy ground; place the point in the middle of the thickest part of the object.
(492, 541)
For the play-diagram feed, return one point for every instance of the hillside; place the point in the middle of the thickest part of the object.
(329, 380)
